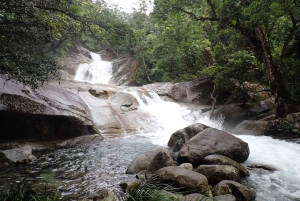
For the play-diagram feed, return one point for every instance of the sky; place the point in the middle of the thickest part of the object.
(127, 5)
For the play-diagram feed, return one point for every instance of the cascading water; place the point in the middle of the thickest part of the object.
(95, 72)
(162, 118)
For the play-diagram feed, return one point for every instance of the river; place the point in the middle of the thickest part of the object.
(88, 168)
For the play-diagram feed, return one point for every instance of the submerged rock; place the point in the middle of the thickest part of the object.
(213, 141)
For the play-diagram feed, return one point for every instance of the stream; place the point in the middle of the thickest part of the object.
(87, 168)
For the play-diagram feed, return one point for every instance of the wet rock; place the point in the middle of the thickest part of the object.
(239, 191)
(195, 197)
(80, 140)
(161, 159)
(217, 173)
(223, 160)
(23, 154)
(180, 137)
(161, 88)
(213, 141)
(196, 91)
(128, 186)
(141, 162)
(185, 180)
(251, 127)
(264, 167)
(102, 195)
(123, 70)
(227, 197)
(187, 166)
(231, 114)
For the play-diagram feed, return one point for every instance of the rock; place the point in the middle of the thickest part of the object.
(239, 191)
(185, 180)
(293, 117)
(196, 91)
(223, 160)
(86, 139)
(213, 141)
(180, 137)
(161, 159)
(141, 162)
(217, 173)
(187, 166)
(107, 54)
(161, 88)
(264, 167)
(231, 114)
(227, 197)
(195, 197)
(102, 195)
(128, 186)
(251, 127)
(23, 154)
(123, 70)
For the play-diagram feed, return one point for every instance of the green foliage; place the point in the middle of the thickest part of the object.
(33, 34)
(22, 191)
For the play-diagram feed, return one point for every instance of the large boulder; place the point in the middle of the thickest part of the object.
(195, 197)
(217, 173)
(213, 141)
(185, 180)
(141, 162)
(23, 154)
(231, 114)
(223, 160)
(196, 91)
(180, 137)
(252, 127)
(123, 70)
(239, 191)
(161, 160)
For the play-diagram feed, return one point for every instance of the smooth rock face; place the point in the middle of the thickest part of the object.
(217, 173)
(23, 154)
(232, 115)
(195, 197)
(180, 137)
(213, 141)
(251, 127)
(186, 180)
(239, 191)
(227, 197)
(141, 162)
(196, 91)
(223, 160)
(187, 166)
(162, 159)
(123, 70)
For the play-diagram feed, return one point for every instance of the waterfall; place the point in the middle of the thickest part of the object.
(97, 71)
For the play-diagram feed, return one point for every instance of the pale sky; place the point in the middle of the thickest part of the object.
(127, 5)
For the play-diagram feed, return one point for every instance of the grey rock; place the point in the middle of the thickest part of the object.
(195, 197)
(180, 137)
(23, 154)
(185, 180)
(223, 160)
(187, 166)
(252, 127)
(227, 197)
(161, 159)
(141, 162)
(217, 173)
(213, 141)
(239, 191)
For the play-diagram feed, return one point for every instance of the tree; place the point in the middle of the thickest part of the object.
(31, 31)
(270, 30)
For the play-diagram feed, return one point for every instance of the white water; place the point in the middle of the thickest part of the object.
(95, 72)
(162, 118)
